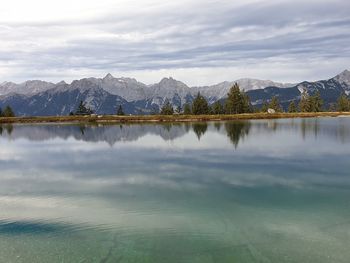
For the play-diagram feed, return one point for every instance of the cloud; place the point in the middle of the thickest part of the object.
(200, 43)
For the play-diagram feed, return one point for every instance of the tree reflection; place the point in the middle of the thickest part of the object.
(337, 128)
(187, 126)
(310, 126)
(237, 130)
(167, 126)
(8, 128)
(200, 129)
(82, 129)
(217, 126)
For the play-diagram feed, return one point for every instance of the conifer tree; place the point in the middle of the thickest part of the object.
(237, 101)
(247, 106)
(311, 103)
(343, 103)
(120, 111)
(304, 104)
(275, 104)
(167, 109)
(265, 106)
(217, 108)
(292, 107)
(200, 105)
(8, 112)
(187, 109)
(83, 110)
(316, 102)
(234, 101)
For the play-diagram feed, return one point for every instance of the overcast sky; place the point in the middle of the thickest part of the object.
(196, 41)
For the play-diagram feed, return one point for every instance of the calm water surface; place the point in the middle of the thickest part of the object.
(255, 191)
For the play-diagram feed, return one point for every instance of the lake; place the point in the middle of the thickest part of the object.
(244, 191)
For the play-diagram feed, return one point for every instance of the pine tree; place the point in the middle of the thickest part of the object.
(247, 106)
(343, 103)
(200, 105)
(83, 110)
(210, 110)
(8, 112)
(292, 107)
(120, 111)
(237, 101)
(311, 103)
(1, 113)
(187, 109)
(234, 101)
(316, 102)
(167, 109)
(275, 104)
(265, 106)
(304, 104)
(217, 108)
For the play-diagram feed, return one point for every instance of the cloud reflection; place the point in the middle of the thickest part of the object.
(185, 182)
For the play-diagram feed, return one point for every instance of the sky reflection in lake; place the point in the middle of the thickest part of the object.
(252, 191)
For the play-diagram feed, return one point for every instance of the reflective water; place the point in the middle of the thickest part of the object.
(257, 191)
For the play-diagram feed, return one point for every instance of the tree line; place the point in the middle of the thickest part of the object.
(309, 103)
(7, 112)
(237, 102)
(83, 109)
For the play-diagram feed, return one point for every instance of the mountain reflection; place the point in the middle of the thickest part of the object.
(234, 130)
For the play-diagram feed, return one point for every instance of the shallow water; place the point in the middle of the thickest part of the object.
(252, 191)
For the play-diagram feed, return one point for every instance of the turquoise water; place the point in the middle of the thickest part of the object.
(254, 191)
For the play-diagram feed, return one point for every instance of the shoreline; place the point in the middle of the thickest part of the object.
(165, 118)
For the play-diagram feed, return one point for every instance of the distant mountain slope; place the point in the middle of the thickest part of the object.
(127, 88)
(219, 91)
(63, 100)
(29, 87)
(330, 90)
(132, 90)
(106, 94)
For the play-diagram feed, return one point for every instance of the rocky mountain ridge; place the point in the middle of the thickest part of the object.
(104, 95)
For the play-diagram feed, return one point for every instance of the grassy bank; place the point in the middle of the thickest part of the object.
(166, 118)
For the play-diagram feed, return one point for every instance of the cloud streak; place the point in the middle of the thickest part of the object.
(200, 43)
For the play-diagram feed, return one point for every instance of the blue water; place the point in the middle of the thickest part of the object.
(247, 191)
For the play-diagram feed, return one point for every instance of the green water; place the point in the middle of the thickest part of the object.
(255, 191)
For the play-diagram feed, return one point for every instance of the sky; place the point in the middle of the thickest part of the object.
(198, 42)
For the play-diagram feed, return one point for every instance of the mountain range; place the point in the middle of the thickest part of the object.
(104, 95)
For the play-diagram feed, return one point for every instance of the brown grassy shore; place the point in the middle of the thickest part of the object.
(166, 118)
